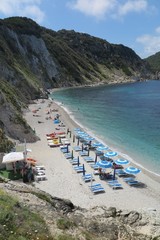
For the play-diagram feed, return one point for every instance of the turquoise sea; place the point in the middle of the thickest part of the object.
(126, 117)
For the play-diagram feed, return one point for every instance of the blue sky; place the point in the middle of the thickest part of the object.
(133, 23)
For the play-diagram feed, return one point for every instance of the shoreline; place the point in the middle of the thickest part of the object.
(62, 181)
(146, 171)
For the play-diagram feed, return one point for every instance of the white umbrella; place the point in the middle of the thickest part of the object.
(132, 170)
(13, 157)
(110, 154)
(121, 161)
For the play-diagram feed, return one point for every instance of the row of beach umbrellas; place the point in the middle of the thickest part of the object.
(109, 154)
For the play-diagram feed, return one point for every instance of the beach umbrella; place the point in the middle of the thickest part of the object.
(101, 148)
(88, 151)
(110, 154)
(67, 148)
(83, 170)
(95, 158)
(82, 148)
(132, 170)
(72, 154)
(104, 164)
(97, 144)
(78, 161)
(121, 161)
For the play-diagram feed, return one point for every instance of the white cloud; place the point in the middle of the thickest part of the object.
(150, 43)
(96, 8)
(27, 8)
(158, 29)
(132, 6)
(112, 8)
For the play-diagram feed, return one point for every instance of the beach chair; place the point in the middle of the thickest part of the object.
(74, 161)
(88, 159)
(94, 166)
(77, 148)
(88, 177)
(83, 153)
(68, 155)
(97, 188)
(129, 179)
(40, 178)
(64, 150)
(115, 185)
(121, 172)
(133, 183)
(78, 169)
(40, 167)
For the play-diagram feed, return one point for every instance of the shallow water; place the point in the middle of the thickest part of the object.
(126, 117)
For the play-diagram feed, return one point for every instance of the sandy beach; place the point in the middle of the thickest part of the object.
(63, 181)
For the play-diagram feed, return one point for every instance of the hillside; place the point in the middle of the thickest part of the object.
(154, 62)
(34, 59)
(28, 213)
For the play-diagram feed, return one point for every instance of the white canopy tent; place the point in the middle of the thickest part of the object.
(13, 157)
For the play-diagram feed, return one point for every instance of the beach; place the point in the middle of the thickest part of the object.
(64, 182)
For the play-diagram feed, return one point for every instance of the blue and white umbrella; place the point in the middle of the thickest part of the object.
(110, 154)
(104, 164)
(121, 161)
(102, 148)
(97, 144)
(132, 170)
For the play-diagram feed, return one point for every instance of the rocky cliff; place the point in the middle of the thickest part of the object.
(60, 219)
(33, 59)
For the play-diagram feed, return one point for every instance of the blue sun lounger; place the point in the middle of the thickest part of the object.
(88, 159)
(129, 179)
(88, 177)
(74, 162)
(94, 166)
(84, 153)
(97, 188)
(68, 155)
(114, 184)
(64, 150)
(133, 183)
(77, 148)
(78, 169)
(121, 173)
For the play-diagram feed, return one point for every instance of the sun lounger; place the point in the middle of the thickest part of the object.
(77, 148)
(68, 155)
(74, 161)
(65, 150)
(129, 179)
(121, 172)
(88, 159)
(97, 188)
(78, 169)
(88, 177)
(40, 167)
(133, 183)
(95, 185)
(112, 181)
(115, 185)
(94, 166)
(84, 153)
(40, 177)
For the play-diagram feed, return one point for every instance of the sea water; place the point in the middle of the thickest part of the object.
(126, 117)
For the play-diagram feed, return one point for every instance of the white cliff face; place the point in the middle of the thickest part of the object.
(40, 56)
(35, 54)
